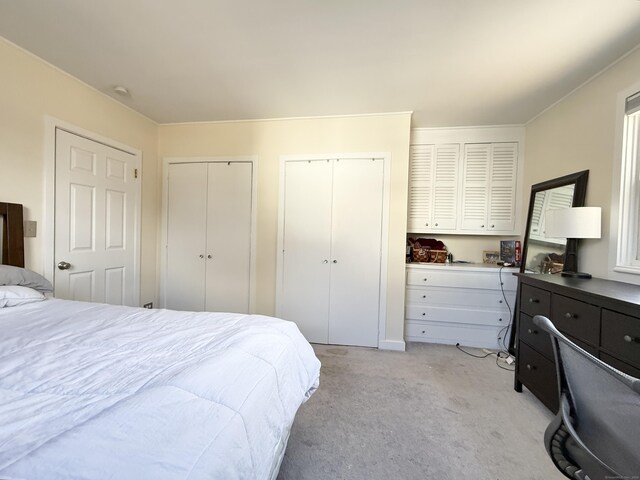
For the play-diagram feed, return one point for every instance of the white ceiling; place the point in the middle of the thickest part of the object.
(453, 62)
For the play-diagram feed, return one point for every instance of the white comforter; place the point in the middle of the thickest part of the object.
(102, 392)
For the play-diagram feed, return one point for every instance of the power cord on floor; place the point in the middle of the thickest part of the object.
(499, 355)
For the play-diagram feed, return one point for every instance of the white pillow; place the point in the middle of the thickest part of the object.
(14, 295)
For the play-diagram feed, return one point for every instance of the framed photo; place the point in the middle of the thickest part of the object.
(490, 256)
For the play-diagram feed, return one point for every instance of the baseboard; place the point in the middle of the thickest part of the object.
(397, 345)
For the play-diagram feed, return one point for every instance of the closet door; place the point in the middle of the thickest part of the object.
(306, 247)
(186, 234)
(228, 251)
(356, 236)
(445, 187)
(420, 187)
(475, 186)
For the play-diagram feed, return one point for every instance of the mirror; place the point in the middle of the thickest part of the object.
(541, 254)
(12, 241)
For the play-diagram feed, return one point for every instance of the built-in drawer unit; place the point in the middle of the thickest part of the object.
(600, 316)
(467, 304)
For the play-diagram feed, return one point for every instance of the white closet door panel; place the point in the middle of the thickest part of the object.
(186, 233)
(306, 245)
(445, 195)
(355, 252)
(420, 187)
(475, 186)
(228, 237)
(504, 162)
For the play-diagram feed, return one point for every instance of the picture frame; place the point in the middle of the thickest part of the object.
(490, 256)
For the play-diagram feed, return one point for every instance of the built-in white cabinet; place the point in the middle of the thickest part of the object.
(466, 304)
(331, 240)
(209, 227)
(489, 187)
(433, 187)
(464, 181)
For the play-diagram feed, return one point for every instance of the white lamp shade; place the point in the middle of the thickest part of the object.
(579, 222)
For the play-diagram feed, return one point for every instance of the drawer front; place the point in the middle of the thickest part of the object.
(538, 374)
(534, 336)
(577, 319)
(460, 279)
(479, 336)
(535, 301)
(457, 315)
(621, 334)
(461, 297)
(619, 365)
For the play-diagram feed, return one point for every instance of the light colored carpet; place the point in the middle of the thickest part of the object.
(431, 412)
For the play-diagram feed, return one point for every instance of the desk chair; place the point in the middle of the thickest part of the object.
(596, 433)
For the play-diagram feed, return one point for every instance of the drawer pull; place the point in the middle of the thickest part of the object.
(533, 300)
(570, 315)
(630, 339)
(424, 314)
(532, 332)
(530, 367)
(424, 279)
(424, 296)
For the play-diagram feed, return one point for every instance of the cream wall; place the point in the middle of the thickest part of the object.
(32, 89)
(273, 138)
(580, 133)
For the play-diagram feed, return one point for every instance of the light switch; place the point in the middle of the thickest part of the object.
(30, 228)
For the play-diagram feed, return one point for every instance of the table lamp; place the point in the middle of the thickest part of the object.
(573, 224)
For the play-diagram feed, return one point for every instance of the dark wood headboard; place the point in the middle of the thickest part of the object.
(12, 234)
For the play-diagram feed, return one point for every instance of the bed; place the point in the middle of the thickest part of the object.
(99, 391)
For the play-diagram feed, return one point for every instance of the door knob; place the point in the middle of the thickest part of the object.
(64, 265)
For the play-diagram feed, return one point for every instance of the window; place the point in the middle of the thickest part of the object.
(628, 251)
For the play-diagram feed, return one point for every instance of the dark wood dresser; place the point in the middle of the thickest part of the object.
(601, 316)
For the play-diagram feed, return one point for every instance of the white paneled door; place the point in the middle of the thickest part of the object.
(332, 242)
(96, 205)
(209, 223)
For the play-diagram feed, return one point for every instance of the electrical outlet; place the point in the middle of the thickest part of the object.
(148, 305)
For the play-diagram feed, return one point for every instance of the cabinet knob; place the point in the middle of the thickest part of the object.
(499, 301)
(436, 224)
(493, 226)
(481, 226)
(630, 339)
(424, 296)
(209, 257)
(530, 367)
(325, 261)
(335, 261)
(424, 314)
(201, 256)
(426, 224)
(532, 332)
(570, 315)
(424, 279)
(534, 300)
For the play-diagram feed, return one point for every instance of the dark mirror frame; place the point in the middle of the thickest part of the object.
(12, 235)
(579, 180)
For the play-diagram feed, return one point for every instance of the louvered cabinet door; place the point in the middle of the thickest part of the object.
(475, 186)
(502, 190)
(420, 187)
(445, 186)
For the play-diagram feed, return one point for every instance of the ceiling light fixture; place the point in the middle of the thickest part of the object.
(122, 91)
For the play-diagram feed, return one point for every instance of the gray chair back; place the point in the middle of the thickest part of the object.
(600, 406)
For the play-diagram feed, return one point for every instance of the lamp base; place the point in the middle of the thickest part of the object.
(576, 274)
